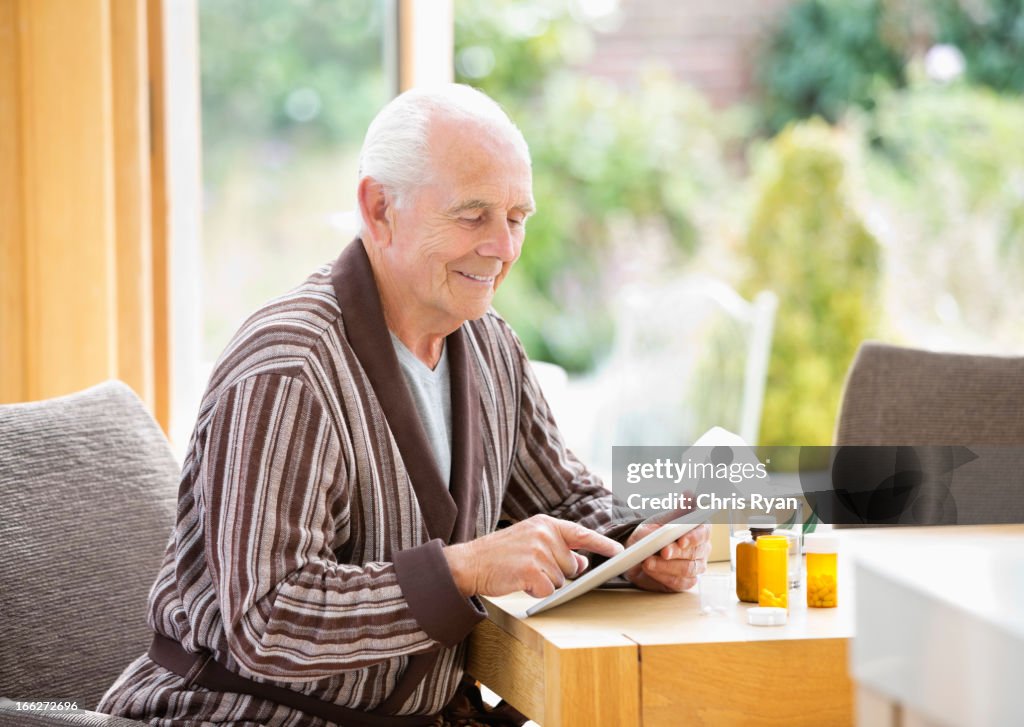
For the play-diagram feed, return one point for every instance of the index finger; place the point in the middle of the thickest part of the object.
(577, 536)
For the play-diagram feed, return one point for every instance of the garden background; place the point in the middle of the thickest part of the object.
(863, 160)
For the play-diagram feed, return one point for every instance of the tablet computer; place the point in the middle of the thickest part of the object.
(619, 564)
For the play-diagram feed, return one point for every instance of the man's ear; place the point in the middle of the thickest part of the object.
(376, 206)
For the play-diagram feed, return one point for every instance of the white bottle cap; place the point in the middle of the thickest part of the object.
(766, 616)
(821, 543)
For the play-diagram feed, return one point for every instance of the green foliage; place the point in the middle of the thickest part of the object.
(927, 133)
(623, 174)
(508, 48)
(990, 36)
(945, 172)
(946, 177)
(288, 89)
(811, 247)
(305, 73)
(826, 56)
(607, 163)
(829, 55)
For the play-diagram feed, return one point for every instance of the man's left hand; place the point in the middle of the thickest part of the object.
(676, 566)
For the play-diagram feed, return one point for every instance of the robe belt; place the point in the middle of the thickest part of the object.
(202, 669)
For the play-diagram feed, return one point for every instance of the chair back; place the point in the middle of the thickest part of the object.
(689, 354)
(900, 396)
(88, 487)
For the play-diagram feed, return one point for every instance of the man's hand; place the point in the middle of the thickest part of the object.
(534, 555)
(676, 566)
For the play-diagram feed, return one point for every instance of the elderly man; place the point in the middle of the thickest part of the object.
(360, 438)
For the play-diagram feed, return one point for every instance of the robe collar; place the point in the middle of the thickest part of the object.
(449, 515)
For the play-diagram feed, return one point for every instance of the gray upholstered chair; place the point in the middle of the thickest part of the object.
(903, 396)
(88, 490)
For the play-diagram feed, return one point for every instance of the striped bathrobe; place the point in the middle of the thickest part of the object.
(311, 516)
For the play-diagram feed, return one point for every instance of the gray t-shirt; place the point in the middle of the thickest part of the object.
(432, 393)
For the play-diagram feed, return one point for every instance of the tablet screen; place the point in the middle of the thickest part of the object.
(631, 556)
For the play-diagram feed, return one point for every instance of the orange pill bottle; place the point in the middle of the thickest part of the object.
(822, 551)
(773, 571)
(746, 558)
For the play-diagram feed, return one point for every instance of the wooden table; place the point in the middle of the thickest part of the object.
(633, 658)
(627, 657)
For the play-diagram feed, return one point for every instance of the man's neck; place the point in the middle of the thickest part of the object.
(427, 347)
(423, 336)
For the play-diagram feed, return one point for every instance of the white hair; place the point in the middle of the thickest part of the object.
(395, 151)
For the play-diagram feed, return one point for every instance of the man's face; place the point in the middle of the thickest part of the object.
(455, 239)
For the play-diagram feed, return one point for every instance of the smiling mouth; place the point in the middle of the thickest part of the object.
(478, 278)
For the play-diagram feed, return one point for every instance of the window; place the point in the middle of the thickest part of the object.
(288, 89)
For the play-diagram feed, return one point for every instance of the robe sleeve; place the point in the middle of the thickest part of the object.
(546, 477)
(275, 490)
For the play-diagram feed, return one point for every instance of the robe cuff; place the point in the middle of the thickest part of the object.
(434, 600)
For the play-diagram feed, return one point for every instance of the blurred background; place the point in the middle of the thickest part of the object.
(860, 159)
(732, 196)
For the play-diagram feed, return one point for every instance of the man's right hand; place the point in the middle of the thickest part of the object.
(534, 555)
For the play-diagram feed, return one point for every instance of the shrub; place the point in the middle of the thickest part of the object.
(826, 56)
(627, 183)
(809, 245)
(990, 36)
(623, 178)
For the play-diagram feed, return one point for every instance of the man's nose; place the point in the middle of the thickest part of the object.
(502, 241)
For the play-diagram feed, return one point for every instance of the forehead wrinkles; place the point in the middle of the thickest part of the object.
(471, 155)
(483, 179)
(490, 188)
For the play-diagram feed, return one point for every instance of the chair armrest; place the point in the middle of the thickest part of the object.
(10, 716)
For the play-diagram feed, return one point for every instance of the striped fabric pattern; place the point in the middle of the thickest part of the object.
(296, 500)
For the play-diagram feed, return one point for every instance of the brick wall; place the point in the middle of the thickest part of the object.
(710, 44)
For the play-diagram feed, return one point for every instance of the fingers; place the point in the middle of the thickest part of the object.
(560, 551)
(694, 544)
(543, 584)
(677, 565)
(553, 560)
(674, 575)
(640, 579)
(577, 536)
(651, 578)
(674, 567)
(700, 534)
(686, 551)
(544, 578)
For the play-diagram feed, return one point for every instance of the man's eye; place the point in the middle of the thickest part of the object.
(471, 220)
(516, 223)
